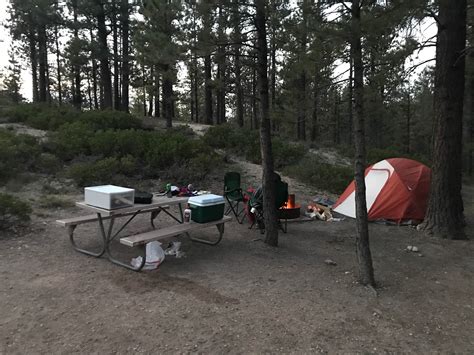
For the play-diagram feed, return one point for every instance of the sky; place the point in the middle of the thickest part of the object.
(424, 31)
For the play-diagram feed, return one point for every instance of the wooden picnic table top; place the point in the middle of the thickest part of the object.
(157, 203)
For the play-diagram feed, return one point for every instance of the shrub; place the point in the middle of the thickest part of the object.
(245, 142)
(18, 153)
(13, 211)
(321, 175)
(71, 140)
(48, 163)
(42, 116)
(95, 173)
(103, 120)
(51, 201)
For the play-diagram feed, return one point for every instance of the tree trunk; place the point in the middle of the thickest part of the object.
(151, 89)
(42, 55)
(105, 76)
(77, 96)
(237, 38)
(94, 84)
(208, 89)
(445, 214)
(167, 96)
(34, 64)
(124, 19)
(366, 271)
(58, 65)
(314, 118)
(350, 98)
(116, 64)
(269, 176)
(301, 125)
(408, 127)
(157, 93)
(254, 123)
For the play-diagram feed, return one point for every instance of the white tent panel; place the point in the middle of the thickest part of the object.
(375, 180)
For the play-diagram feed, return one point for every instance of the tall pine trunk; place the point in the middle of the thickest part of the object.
(269, 176)
(77, 96)
(43, 65)
(124, 19)
(116, 64)
(445, 214)
(34, 64)
(167, 96)
(105, 76)
(58, 65)
(366, 271)
(157, 93)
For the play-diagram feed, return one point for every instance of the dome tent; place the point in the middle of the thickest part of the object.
(397, 189)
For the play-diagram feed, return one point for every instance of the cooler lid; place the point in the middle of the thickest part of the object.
(109, 189)
(206, 200)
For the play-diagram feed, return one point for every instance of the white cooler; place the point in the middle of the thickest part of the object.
(109, 197)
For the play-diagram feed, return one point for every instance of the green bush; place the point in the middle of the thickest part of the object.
(48, 163)
(18, 153)
(71, 140)
(321, 175)
(245, 142)
(42, 116)
(51, 201)
(100, 172)
(108, 119)
(13, 211)
(375, 155)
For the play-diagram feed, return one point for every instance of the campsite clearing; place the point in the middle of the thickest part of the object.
(240, 296)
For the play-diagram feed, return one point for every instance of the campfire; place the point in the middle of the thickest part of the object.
(290, 210)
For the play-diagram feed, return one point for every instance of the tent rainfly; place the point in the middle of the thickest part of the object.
(397, 189)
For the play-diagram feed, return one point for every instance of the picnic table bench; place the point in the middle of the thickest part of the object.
(160, 204)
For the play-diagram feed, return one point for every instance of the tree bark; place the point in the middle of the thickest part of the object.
(58, 65)
(124, 19)
(157, 93)
(350, 98)
(301, 124)
(445, 213)
(116, 64)
(366, 271)
(105, 76)
(269, 176)
(43, 52)
(167, 96)
(34, 64)
(77, 96)
(151, 89)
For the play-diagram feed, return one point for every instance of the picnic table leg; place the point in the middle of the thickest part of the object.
(154, 214)
(127, 265)
(108, 238)
(220, 228)
(180, 214)
(81, 250)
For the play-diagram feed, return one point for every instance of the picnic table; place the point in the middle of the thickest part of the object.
(158, 205)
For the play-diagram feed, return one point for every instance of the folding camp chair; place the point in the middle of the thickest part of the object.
(255, 204)
(234, 196)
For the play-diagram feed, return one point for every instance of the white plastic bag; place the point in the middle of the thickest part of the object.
(155, 255)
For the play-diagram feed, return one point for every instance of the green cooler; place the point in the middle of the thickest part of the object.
(206, 208)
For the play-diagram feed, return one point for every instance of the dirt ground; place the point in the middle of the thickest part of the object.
(239, 296)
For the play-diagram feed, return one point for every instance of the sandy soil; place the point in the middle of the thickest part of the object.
(238, 297)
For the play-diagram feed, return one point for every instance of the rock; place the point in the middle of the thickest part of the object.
(415, 250)
(330, 262)
(409, 248)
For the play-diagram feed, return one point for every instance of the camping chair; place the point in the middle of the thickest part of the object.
(233, 194)
(255, 204)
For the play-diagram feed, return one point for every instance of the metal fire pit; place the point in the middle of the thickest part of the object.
(289, 212)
